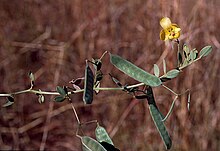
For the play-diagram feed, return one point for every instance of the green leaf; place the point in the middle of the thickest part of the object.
(188, 102)
(59, 98)
(160, 126)
(102, 135)
(61, 91)
(195, 54)
(31, 76)
(172, 73)
(164, 66)
(89, 144)
(191, 56)
(134, 71)
(185, 62)
(156, 70)
(186, 50)
(205, 51)
(8, 103)
(88, 85)
(41, 99)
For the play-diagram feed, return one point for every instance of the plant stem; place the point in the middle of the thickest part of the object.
(30, 90)
(55, 93)
(77, 118)
(178, 53)
(170, 90)
(171, 109)
(182, 67)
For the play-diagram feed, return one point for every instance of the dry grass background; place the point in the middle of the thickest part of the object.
(53, 38)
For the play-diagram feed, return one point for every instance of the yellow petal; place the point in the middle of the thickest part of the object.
(165, 22)
(177, 35)
(163, 35)
(175, 27)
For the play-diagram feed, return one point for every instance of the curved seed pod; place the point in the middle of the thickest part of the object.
(134, 71)
(102, 135)
(88, 85)
(89, 144)
(160, 126)
(151, 100)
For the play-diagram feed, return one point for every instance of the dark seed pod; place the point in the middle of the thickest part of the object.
(151, 100)
(150, 96)
(88, 85)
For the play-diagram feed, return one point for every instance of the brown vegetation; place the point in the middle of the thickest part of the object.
(53, 38)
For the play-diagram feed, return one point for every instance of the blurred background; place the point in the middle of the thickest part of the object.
(53, 38)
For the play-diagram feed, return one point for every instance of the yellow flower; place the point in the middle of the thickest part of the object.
(170, 31)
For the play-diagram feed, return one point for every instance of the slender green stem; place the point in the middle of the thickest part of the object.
(170, 90)
(171, 109)
(30, 90)
(5, 95)
(103, 55)
(178, 53)
(107, 89)
(54, 93)
(182, 67)
(75, 113)
(136, 85)
(44, 92)
(15, 93)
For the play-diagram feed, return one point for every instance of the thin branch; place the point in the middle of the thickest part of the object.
(55, 93)
(171, 109)
(77, 118)
(170, 90)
